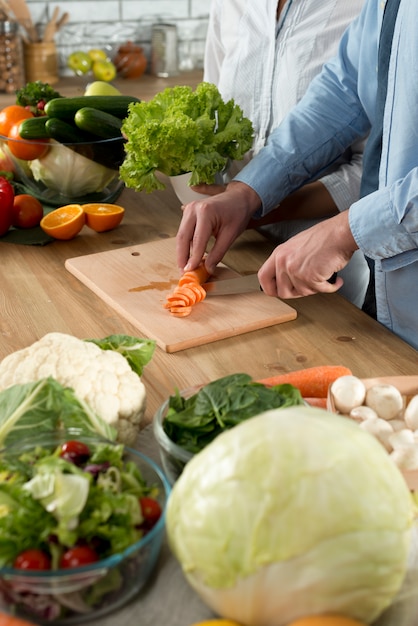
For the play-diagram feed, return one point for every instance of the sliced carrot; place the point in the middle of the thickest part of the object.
(199, 275)
(312, 382)
(188, 292)
(182, 311)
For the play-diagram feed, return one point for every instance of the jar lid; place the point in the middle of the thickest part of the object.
(7, 27)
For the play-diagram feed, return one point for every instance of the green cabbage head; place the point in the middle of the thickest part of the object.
(291, 513)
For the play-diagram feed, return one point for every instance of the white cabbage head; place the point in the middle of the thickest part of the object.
(293, 512)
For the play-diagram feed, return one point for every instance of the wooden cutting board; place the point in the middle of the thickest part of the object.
(135, 281)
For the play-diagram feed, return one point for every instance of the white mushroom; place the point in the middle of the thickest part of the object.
(411, 413)
(406, 457)
(386, 400)
(402, 438)
(398, 424)
(360, 413)
(348, 392)
(380, 428)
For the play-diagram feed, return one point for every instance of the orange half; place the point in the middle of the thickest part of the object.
(327, 620)
(64, 223)
(101, 216)
(217, 622)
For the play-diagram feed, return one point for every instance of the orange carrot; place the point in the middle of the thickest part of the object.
(321, 403)
(199, 275)
(312, 382)
(188, 292)
(10, 620)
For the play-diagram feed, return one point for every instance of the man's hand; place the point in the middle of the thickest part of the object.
(304, 264)
(224, 216)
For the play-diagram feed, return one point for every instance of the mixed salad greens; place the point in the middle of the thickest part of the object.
(193, 422)
(71, 505)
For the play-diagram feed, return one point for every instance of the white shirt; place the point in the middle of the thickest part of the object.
(267, 72)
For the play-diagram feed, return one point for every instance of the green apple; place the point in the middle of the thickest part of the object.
(104, 70)
(97, 54)
(101, 88)
(79, 62)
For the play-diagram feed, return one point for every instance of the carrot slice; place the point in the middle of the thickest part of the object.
(188, 292)
(199, 275)
(312, 382)
(182, 311)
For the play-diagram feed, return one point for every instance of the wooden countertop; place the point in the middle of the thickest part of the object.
(38, 295)
(144, 88)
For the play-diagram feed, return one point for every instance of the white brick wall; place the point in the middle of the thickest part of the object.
(109, 22)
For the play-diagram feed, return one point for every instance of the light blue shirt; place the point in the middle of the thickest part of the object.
(337, 109)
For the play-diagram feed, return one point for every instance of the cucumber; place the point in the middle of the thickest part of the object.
(64, 132)
(34, 128)
(104, 125)
(66, 108)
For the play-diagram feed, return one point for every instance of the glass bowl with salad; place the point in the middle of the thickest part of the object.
(81, 527)
(190, 419)
(64, 150)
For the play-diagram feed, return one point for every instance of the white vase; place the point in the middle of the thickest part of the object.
(181, 187)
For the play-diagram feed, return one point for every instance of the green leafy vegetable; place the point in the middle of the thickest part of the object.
(181, 130)
(45, 406)
(194, 422)
(138, 352)
(35, 95)
(66, 171)
(294, 512)
(41, 499)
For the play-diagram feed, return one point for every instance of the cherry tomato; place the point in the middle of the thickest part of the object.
(78, 556)
(27, 211)
(75, 451)
(32, 559)
(151, 510)
(11, 115)
(25, 149)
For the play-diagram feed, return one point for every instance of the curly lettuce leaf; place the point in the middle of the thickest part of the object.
(179, 131)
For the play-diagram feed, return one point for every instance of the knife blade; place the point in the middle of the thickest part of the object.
(231, 286)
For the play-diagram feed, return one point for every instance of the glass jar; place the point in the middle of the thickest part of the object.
(12, 74)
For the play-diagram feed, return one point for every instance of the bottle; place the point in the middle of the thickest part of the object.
(12, 73)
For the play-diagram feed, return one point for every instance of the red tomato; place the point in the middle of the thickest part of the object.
(151, 510)
(10, 115)
(75, 451)
(27, 211)
(32, 559)
(25, 149)
(78, 556)
(6, 205)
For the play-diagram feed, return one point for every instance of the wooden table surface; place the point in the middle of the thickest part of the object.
(38, 295)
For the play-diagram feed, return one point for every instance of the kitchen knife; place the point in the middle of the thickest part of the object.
(231, 286)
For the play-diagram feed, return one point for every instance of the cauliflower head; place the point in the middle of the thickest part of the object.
(102, 378)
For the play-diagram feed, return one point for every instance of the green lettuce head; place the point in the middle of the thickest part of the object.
(291, 513)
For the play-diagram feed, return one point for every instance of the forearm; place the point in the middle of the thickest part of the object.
(309, 202)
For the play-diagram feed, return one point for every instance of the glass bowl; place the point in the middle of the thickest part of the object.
(67, 173)
(173, 457)
(72, 596)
